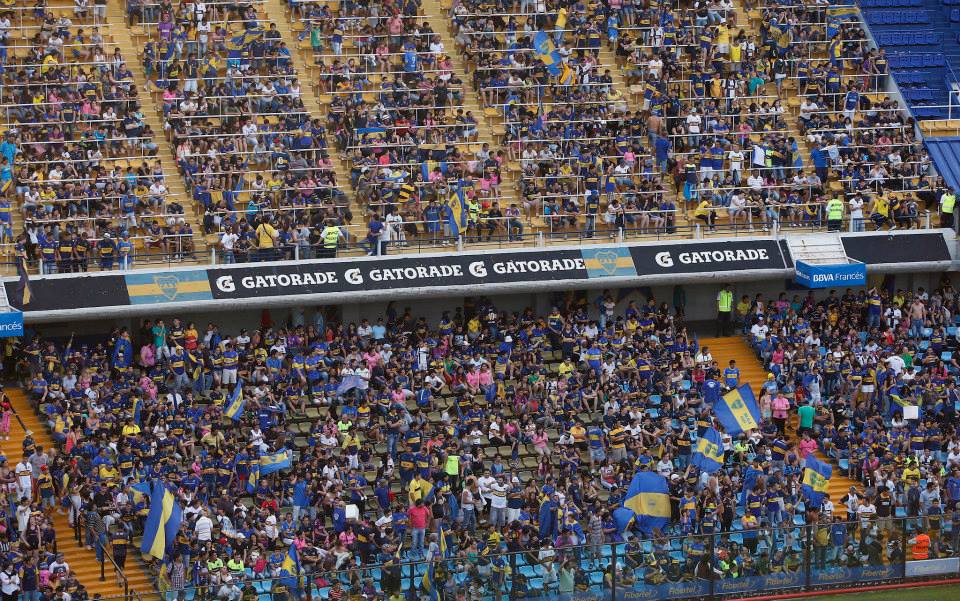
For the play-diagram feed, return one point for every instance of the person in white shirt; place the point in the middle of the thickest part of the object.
(735, 158)
(483, 483)
(203, 529)
(759, 330)
(24, 474)
(498, 502)
(694, 122)
(9, 583)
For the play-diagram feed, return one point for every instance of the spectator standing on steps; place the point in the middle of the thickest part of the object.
(724, 310)
(948, 202)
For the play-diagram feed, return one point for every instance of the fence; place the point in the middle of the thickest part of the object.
(791, 558)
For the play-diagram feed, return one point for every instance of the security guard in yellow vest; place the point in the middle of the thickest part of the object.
(331, 236)
(834, 214)
(724, 310)
(948, 201)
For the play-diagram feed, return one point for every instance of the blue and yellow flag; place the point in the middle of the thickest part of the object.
(24, 291)
(442, 540)
(427, 167)
(253, 478)
(738, 410)
(567, 76)
(237, 401)
(816, 479)
(275, 462)
(545, 50)
(456, 211)
(427, 583)
(290, 568)
(137, 405)
(837, 15)
(240, 42)
(708, 454)
(163, 521)
(649, 498)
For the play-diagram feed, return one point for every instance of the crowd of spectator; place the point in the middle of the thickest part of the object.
(78, 170)
(252, 156)
(877, 366)
(508, 431)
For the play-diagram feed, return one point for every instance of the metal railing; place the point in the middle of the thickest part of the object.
(790, 557)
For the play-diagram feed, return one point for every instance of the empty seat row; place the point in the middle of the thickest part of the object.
(928, 112)
(909, 38)
(896, 17)
(916, 60)
(921, 94)
(912, 78)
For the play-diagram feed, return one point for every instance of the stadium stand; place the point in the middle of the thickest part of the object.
(82, 161)
(546, 418)
(481, 453)
(241, 101)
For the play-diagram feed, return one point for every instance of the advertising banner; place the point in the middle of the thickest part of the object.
(403, 272)
(837, 575)
(829, 276)
(11, 324)
(733, 255)
(933, 567)
(901, 248)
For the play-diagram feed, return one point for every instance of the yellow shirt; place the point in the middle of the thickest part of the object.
(108, 472)
(131, 430)
(703, 209)
(266, 234)
(735, 53)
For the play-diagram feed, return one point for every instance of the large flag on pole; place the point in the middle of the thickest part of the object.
(738, 410)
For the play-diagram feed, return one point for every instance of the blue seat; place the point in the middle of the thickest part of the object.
(946, 356)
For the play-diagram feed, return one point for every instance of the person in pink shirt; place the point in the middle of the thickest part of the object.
(781, 408)
(419, 517)
(807, 446)
(473, 380)
(540, 440)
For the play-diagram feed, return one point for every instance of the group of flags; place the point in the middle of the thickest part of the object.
(166, 515)
(647, 502)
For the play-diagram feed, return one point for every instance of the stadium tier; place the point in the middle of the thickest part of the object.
(455, 124)
(681, 320)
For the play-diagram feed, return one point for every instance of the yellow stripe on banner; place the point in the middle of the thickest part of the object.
(159, 546)
(154, 290)
(621, 262)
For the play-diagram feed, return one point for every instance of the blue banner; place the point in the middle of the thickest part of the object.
(779, 580)
(11, 324)
(863, 574)
(827, 276)
(668, 590)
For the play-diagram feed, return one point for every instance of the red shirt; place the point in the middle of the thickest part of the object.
(419, 516)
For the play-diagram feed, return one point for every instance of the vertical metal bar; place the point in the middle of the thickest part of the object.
(615, 573)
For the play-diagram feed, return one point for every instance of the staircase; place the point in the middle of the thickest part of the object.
(608, 60)
(753, 373)
(818, 249)
(83, 562)
(275, 11)
(117, 26)
(490, 127)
